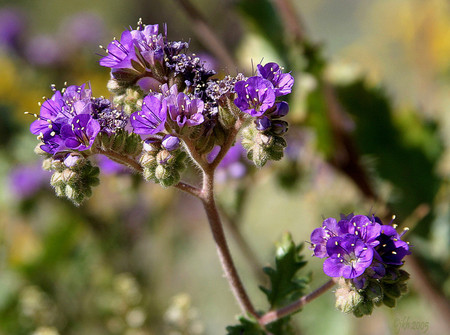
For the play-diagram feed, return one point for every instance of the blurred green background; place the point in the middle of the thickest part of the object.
(137, 259)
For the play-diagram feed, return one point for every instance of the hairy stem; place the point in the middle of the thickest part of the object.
(221, 244)
(273, 316)
(128, 161)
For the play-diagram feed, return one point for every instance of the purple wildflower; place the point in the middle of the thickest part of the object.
(349, 257)
(320, 236)
(391, 248)
(255, 96)
(152, 118)
(12, 23)
(185, 111)
(358, 245)
(282, 82)
(81, 133)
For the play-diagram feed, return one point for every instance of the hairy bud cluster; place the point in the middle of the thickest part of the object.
(262, 146)
(163, 161)
(73, 178)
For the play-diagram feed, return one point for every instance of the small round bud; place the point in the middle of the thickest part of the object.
(347, 298)
(171, 142)
(282, 108)
(279, 127)
(163, 157)
(151, 145)
(74, 160)
(262, 123)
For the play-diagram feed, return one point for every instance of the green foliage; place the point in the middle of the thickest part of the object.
(285, 284)
(245, 327)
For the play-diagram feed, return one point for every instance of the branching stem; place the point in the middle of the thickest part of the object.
(273, 316)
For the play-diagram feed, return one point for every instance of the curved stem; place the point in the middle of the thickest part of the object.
(273, 316)
(231, 137)
(192, 190)
(221, 244)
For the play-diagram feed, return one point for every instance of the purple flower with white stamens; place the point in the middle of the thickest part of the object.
(80, 133)
(366, 229)
(349, 257)
(282, 82)
(185, 111)
(152, 118)
(391, 248)
(255, 96)
(320, 236)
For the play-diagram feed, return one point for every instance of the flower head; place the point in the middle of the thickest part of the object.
(349, 257)
(282, 82)
(184, 110)
(255, 96)
(151, 119)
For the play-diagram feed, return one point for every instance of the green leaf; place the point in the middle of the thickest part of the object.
(285, 284)
(246, 327)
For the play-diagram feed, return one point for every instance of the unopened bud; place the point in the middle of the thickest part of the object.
(171, 142)
(347, 299)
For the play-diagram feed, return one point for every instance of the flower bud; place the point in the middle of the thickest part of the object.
(171, 142)
(262, 123)
(164, 157)
(363, 308)
(147, 160)
(152, 145)
(282, 108)
(279, 127)
(347, 299)
(74, 160)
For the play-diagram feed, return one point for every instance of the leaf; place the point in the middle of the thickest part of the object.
(285, 285)
(246, 327)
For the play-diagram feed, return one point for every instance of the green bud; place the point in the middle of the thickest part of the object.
(389, 301)
(149, 173)
(164, 157)
(392, 290)
(74, 194)
(57, 179)
(162, 172)
(38, 151)
(118, 141)
(115, 87)
(363, 308)
(47, 164)
(403, 275)
(347, 298)
(226, 117)
(172, 179)
(133, 145)
(58, 165)
(147, 160)
(59, 190)
(374, 292)
(69, 176)
(258, 155)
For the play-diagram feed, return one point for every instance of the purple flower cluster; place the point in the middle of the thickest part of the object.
(257, 95)
(71, 120)
(357, 247)
(143, 56)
